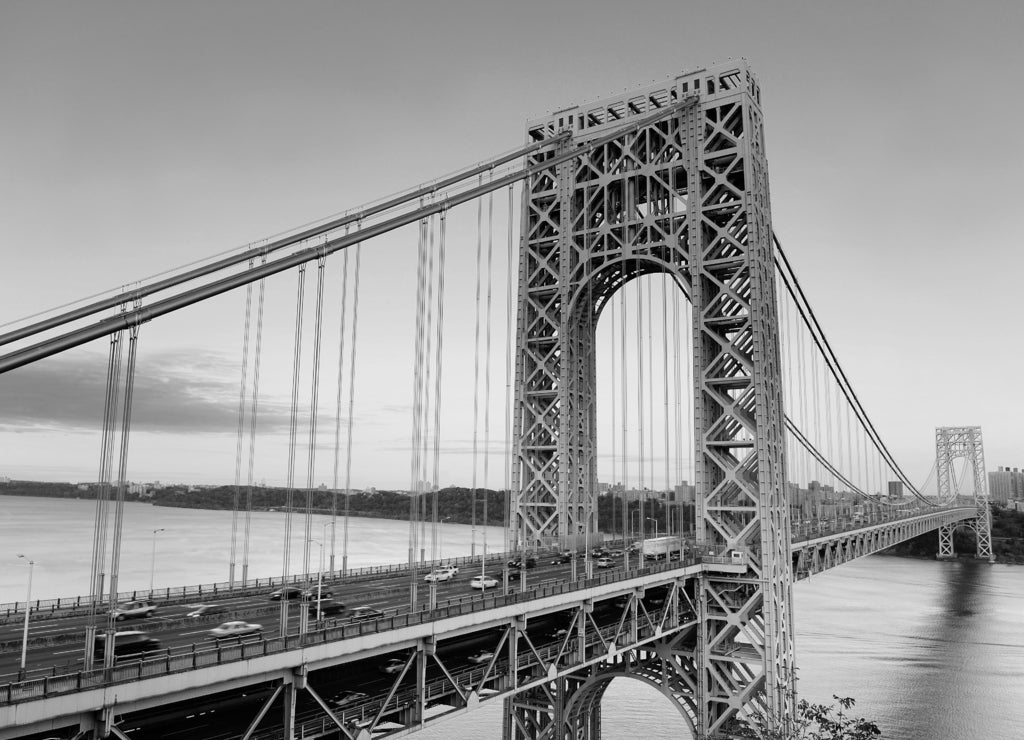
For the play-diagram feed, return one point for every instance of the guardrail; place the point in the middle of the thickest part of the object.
(33, 686)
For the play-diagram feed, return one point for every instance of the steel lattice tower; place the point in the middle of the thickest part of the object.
(671, 178)
(952, 443)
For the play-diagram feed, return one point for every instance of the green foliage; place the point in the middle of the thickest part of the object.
(814, 722)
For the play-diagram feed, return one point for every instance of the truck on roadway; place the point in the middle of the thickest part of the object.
(659, 548)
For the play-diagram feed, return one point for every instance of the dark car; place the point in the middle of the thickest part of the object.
(514, 575)
(563, 557)
(287, 592)
(328, 608)
(127, 643)
(362, 613)
(527, 562)
(321, 592)
(207, 610)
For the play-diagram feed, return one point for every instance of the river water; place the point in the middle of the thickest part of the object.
(930, 650)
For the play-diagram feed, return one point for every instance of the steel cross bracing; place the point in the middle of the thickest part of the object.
(686, 195)
(963, 442)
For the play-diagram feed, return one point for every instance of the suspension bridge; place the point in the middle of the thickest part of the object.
(642, 279)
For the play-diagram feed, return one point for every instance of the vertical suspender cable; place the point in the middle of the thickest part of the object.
(241, 433)
(438, 352)
(476, 373)
(100, 524)
(487, 364)
(640, 421)
(252, 426)
(426, 483)
(623, 391)
(314, 400)
(664, 381)
(417, 407)
(509, 341)
(292, 433)
(337, 410)
(122, 483)
(614, 415)
(351, 407)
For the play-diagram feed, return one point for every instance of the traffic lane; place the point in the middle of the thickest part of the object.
(456, 588)
(341, 588)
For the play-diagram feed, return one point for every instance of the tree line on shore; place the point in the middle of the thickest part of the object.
(461, 505)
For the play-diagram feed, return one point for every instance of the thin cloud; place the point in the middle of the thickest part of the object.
(171, 395)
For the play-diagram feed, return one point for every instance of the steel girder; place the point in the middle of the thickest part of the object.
(952, 443)
(820, 554)
(685, 195)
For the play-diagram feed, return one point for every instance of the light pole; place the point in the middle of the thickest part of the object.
(319, 578)
(152, 561)
(28, 599)
(651, 519)
(323, 538)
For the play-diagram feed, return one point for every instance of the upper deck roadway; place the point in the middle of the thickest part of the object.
(547, 624)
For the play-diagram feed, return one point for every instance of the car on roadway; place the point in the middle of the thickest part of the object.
(364, 613)
(514, 575)
(483, 582)
(317, 592)
(604, 562)
(206, 610)
(528, 562)
(439, 575)
(129, 642)
(392, 665)
(286, 592)
(563, 557)
(481, 656)
(236, 629)
(347, 698)
(134, 610)
(328, 608)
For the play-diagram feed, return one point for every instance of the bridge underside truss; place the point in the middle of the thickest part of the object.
(952, 443)
(684, 194)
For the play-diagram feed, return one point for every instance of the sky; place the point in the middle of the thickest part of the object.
(142, 136)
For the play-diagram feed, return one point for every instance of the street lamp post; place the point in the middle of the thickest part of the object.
(319, 579)
(651, 519)
(152, 561)
(28, 600)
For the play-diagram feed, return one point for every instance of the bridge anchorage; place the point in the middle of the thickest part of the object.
(667, 179)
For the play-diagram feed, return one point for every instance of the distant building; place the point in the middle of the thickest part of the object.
(895, 489)
(1005, 484)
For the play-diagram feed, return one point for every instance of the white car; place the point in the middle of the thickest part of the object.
(236, 629)
(481, 656)
(483, 582)
(438, 576)
(134, 609)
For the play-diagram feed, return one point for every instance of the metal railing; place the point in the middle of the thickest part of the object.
(179, 594)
